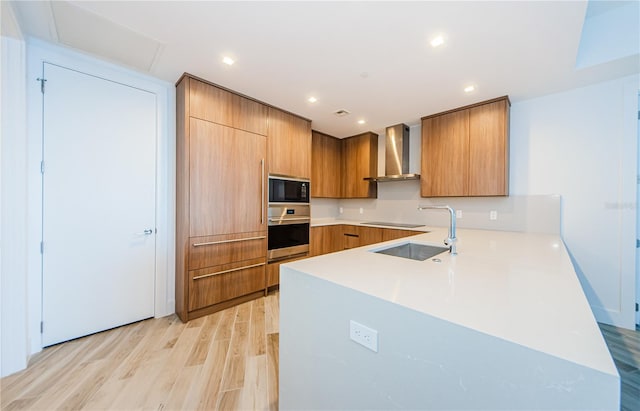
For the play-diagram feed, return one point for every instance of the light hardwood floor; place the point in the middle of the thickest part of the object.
(225, 361)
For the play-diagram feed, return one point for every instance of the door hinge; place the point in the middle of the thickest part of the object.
(637, 307)
(42, 167)
(41, 247)
(637, 243)
(41, 327)
(42, 81)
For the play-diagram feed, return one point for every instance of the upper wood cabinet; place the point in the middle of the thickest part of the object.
(465, 152)
(326, 163)
(211, 103)
(359, 160)
(289, 144)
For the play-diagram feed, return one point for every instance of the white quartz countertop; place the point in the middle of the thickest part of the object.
(520, 287)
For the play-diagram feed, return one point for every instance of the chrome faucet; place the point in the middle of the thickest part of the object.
(451, 239)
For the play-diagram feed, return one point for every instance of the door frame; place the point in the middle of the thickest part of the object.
(39, 52)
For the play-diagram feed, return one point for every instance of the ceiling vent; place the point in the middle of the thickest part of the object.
(342, 113)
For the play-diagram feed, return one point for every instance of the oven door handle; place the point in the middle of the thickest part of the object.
(277, 220)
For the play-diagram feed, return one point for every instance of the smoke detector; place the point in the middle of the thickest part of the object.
(341, 113)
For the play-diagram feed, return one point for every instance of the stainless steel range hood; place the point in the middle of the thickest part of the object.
(396, 156)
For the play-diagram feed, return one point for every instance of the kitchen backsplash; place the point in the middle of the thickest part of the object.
(398, 202)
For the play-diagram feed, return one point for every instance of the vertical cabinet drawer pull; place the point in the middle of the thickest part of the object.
(228, 271)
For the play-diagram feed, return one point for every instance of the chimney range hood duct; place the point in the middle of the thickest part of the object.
(396, 149)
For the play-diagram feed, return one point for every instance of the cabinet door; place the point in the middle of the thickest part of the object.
(214, 104)
(445, 155)
(325, 239)
(326, 160)
(488, 149)
(359, 160)
(358, 236)
(227, 180)
(289, 144)
(225, 282)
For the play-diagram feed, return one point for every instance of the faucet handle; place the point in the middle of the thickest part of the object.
(451, 243)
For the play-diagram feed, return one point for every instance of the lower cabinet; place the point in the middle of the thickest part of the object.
(273, 271)
(224, 270)
(225, 282)
(357, 236)
(325, 239)
(331, 238)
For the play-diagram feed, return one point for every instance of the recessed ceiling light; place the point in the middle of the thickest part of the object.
(228, 60)
(361, 121)
(437, 41)
(312, 99)
(469, 89)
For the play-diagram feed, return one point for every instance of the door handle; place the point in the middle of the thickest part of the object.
(148, 231)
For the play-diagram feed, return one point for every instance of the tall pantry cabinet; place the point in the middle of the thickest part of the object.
(221, 228)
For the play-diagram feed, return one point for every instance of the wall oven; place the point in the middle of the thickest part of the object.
(289, 218)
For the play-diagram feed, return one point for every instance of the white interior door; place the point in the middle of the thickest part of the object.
(99, 193)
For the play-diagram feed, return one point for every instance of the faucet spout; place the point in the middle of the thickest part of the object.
(451, 239)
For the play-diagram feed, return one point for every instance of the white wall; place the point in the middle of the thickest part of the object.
(13, 198)
(582, 145)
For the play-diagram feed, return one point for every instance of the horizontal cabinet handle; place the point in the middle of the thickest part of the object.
(228, 271)
(229, 241)
(290, 219)
(351, 235)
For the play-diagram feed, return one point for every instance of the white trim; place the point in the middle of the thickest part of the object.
(13, 198)
(39, 52)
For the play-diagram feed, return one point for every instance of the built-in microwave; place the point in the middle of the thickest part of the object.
(288, 189)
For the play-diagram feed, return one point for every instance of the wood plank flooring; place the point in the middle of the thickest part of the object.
(624, 346)
(225, 361)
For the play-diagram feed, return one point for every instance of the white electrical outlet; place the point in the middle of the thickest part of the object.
(341, 210)
(361, 210)
(363, 335)
(458, 213)
(493, 215)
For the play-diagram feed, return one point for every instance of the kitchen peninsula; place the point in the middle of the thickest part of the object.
(502, 325)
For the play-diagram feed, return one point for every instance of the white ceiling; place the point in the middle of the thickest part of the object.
(370, 58)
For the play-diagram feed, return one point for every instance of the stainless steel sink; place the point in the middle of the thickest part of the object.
(413, 251)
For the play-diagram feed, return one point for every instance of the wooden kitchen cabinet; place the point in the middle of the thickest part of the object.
(357, 236)
(359, 160)
(273, 271)
(326, 163)
(465, 152)
(325, 239)
(221, 231)
(289, 144)
(226, 172)
(221, 106)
